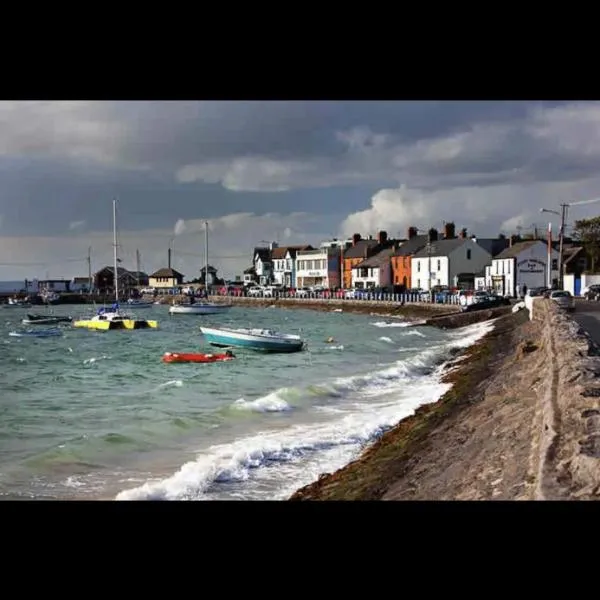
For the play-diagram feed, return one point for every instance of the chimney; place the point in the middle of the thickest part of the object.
(432, 235)
(355, 239)
(382, 237)
(412, 232)
(169, 260)
(463, 233)
(449, 231)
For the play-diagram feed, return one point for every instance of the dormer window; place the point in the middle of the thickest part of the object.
(469, 254)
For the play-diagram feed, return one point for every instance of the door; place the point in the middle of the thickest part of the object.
(577, 288)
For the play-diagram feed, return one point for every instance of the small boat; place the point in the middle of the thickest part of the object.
(194, 357)
(37, 333)
(50, 297)
(45, 320)
(110, 319)
(198, 308)
(254, 339)
(136, 303)
(204, 307)
(16, 303)
(113, 318)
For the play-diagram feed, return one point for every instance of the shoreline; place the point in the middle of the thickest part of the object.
(387, 460)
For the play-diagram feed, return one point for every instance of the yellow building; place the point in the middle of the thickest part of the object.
(165, 278)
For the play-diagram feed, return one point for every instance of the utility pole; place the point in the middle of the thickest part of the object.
(563, 218)
(137, 265)
(89, 262)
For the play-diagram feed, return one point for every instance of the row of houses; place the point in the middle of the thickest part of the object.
(421, 260)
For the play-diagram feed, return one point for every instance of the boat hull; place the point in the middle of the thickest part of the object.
(43, 320)
(113, 325)
(223, 339)
(198, 309)
(140, 305)
(38, 333)
(190, 357)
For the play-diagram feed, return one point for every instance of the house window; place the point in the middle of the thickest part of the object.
(439, 282)
(555, 264)
(508, 267)
(419, 266)
(418, 283)
(469, 254)
(439, 265)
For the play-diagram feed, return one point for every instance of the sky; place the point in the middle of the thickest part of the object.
(286, 171)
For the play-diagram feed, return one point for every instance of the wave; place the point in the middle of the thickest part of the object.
(270, 403)
(377, 401)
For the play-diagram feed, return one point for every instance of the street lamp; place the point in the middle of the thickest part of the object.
(563, 218)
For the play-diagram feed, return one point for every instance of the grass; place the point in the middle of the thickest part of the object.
(384, 462)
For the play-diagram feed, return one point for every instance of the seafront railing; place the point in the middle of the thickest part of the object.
(341, 297)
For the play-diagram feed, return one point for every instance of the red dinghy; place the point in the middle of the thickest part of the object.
(193, 357)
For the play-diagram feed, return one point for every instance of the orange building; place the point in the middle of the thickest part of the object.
(401, 261)
(360, 250)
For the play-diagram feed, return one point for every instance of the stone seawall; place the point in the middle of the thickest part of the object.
(521, 421)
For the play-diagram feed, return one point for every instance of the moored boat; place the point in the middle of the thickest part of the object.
(32, 319)
(266, 340)
(198, 308)
(196, 357)
(136, 303)
(113, 318)
(16, 303)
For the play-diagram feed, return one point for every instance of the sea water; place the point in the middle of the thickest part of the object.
(98, 415)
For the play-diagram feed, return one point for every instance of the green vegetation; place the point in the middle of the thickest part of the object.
(587, 231)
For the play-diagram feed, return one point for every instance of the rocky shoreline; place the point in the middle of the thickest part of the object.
(521, 422)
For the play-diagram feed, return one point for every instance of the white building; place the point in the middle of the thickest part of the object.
(522, 264)
(448, 263)
(263, 267)
(312, 268)
(284, 263)
(375, 271)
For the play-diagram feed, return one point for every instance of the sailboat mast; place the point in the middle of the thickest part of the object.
(116, 278)
(137, 266)
(206, 257)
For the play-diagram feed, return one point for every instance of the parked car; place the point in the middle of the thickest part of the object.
(592, 292)
(564, 299)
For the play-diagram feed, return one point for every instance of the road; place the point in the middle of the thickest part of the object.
(587, 314)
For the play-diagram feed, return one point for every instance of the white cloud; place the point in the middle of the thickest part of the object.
(231, 241)
(179, 228)
(76, 225)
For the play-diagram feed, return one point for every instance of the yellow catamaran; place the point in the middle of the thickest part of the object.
(113, 318)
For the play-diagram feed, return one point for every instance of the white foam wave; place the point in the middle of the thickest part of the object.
(270, 403)
(414, 332)
(384, 338)
(171, 383)
(303, 451)
(392, 323)
(91, 361)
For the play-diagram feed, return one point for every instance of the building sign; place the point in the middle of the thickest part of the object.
(314, 274)
(531, 265)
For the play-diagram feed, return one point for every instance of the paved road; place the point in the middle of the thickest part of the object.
(587, 314)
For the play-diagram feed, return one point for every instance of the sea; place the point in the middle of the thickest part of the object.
(98, 415)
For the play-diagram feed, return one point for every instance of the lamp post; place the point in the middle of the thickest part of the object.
(563, 218)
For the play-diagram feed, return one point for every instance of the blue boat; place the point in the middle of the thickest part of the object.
(265, 340)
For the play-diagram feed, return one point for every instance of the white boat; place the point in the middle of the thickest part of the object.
(114, 318)
(254, 339)
(50, 297)
(204, 307)
(199, 308)
(136, 303)
(15, 303)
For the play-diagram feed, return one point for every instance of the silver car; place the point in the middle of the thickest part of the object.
(563, 299)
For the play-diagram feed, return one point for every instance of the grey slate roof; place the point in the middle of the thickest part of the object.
(516, 249)
(377, 260)
(493, 245)
(409, 247)
(361, 249)
(441, 248)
